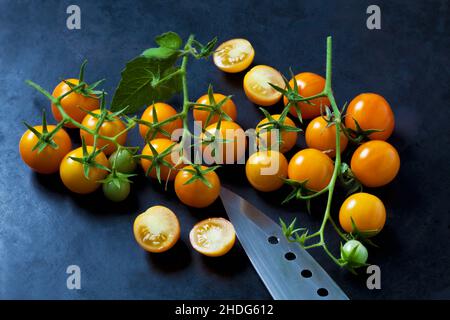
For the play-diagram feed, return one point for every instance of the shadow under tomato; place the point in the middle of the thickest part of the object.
(234, 262)
(175, 259)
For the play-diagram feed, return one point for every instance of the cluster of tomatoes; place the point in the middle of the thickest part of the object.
(48, 149)
(368, 117)
(57, 153)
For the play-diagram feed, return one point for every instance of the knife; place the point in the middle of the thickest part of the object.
(288, 271)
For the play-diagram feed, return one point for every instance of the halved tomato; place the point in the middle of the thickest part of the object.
(157, 229)
(257, 87)
(234, 55)
(213, 237)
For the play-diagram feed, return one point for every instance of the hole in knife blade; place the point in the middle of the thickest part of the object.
(306, 273)
(273, 240)
(290, 256)
(322, 292)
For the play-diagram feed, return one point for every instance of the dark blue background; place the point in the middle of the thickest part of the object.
(44, 228)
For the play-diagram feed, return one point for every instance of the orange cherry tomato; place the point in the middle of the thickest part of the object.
(107, 129)
(197, 194)
(72, 172)
(257, 87)
(234, 55)
(312, 166)
(320, 136)
(230, 149)
(288, 138)
(157, 229)
(48, 160)
(213, 237)
(160, 146)
(371, 111)
(367, 212)
(202, 115)
(375, 163)
(74, 103)
(163, 112)
(266, 170)
(309, 84)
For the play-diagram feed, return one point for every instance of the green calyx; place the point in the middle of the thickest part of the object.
(198, 173)
(88, 159)
(82, 87)
(45, 138)
(157, 160)
(213, 108)
(275, 124)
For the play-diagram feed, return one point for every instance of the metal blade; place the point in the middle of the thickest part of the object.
(300, 278)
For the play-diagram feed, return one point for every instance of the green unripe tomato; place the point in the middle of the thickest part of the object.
(115, 193)
(125, 162)
(354, 253)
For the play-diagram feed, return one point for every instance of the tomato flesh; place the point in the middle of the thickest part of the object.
(234, 55)
(257, 87)
(213, 237)
(157, 229)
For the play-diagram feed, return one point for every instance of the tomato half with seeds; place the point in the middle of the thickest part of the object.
(312, 166)
(72, 172)
(160, 146)
(234, 55)
(197, 194)
(157, 229)
(48, 160)
(371, 111)
(266, 170)
(375, 163)
(202, 115)
(229, 143)
(213, 237)
(367, 212)
(309, 84)
(74, 103)
(109, 128)
(288, 138)
(163, 111)
(257, 87)
(321, 136)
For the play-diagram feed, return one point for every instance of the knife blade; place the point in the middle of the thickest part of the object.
(288, 271)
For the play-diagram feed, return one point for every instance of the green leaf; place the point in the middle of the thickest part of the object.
(145, 80)
(169, 40)
(160, 53)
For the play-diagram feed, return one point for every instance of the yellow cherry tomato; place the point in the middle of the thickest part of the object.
(157, 229)
(371, 111)
(49, 159)
(231, 144)
(257, 87)
(160, 146)
(234, 55)
(107, 129)
(312, 166)
(197, 194)
(308, 84)
(266, 170)
(319, 135)
(74, 103)
(202, 115)
(367, 212)
(375, 163)
(213, 237)
(163, 112)
(72, 172)
(288, 138)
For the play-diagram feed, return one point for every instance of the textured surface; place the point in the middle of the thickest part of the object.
(44, 228)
